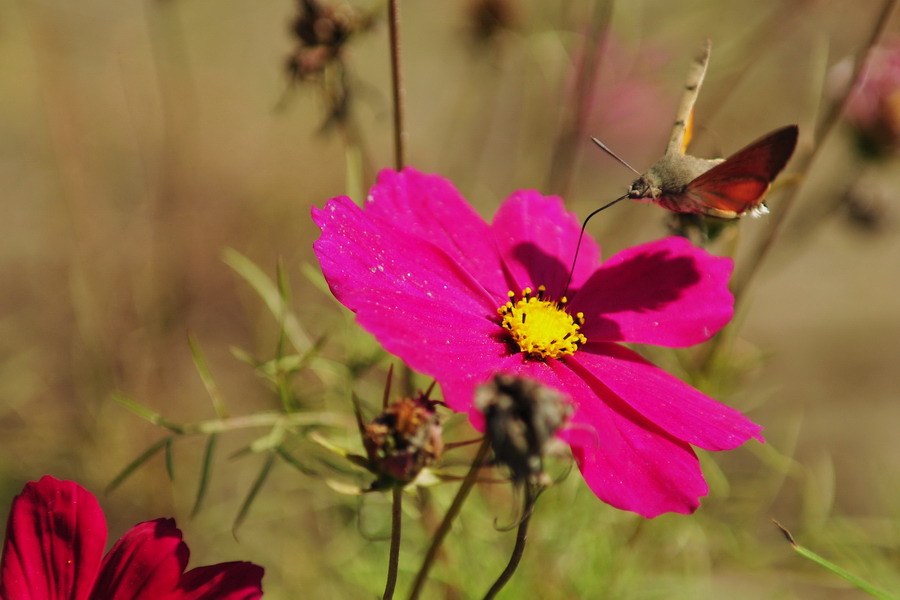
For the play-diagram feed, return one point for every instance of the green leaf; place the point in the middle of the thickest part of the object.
(292, 460)
(827, 564)
(205, 471)
(254, 491)
(271, 440)
(146, 413)
(215, 395)
(133, 465)
(170, 460)
(270, 294)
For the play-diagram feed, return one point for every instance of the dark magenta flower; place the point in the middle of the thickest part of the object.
(460, 299)
(55, 539)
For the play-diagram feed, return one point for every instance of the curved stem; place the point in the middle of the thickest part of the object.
(827, 126)
(444, 528)
(397, 85)
(519, 548)
(394, 558)
(741, 281)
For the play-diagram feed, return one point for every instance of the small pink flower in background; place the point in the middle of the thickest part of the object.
(460, 300)
(629, 107)
(55, 539)
(874, 107)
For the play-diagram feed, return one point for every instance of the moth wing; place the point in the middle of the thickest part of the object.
(740, 183)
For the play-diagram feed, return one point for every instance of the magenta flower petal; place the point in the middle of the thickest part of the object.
(537, 239)
(625, 459)
(224, 581)
(679, 409)
(409, 294)
(359, 253)
(667, 293)
(55, 537)
(431, 209)
(145, 564)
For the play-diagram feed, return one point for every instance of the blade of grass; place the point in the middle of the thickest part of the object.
(146, 413)
(137, 462)
(212, 388)
(292, 460)
(205, 470)
(170, 460)
(254, 491)
(827, 564)
(269, 292)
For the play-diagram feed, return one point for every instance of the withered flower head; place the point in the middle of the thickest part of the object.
(403, 440)
(321, 31)
(521, 417)
(489, 17)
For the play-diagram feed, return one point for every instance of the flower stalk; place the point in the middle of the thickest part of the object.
(397, 85)
(531, 495)
(444, 528)
(396, 527)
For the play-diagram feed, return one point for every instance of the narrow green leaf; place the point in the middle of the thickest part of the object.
(133, 465)
(271, 440)
(292, 460)
(244, 356)
(254, 491)
(170, 460)
(205, 473)
(268, 291)
(840, 572)
(146, 413)
(212, 388)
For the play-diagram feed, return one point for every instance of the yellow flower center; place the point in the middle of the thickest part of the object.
(542, 328)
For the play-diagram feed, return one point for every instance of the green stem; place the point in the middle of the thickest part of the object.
(519, 548)
(394, 557)
(444, 528)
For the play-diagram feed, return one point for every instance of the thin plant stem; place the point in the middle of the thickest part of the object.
(519, 549)
(444, 528)
(394, 557)
(825, 129)
(397, 85)
(567, 142)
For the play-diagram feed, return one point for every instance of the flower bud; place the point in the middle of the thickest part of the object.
(403, 440)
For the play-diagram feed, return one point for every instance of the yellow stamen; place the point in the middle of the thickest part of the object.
(541, 328)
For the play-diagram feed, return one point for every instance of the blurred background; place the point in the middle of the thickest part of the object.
(139, 140)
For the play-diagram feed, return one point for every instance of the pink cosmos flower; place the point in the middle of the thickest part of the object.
(460, 299)
(55, 539)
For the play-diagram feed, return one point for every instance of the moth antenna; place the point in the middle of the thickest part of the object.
(606, 149)
(581, 237)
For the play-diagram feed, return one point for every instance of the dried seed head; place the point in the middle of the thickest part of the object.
(403, 440)
(521, 418)
(487, 18)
